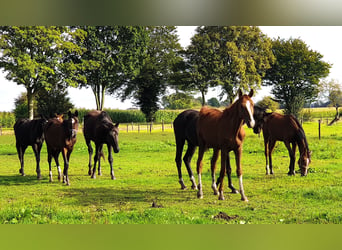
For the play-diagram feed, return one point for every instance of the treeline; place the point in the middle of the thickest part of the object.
(7, 119)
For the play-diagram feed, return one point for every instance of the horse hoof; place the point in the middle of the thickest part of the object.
(113, 178)
(200, 195)
(235, 191)
(194, 188)
(221, 197)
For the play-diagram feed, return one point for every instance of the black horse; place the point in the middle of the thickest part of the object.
(99, 128)
(29, 133)
(185, 129)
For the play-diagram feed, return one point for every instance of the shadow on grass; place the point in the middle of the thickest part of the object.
(16, 180)
(117, 196)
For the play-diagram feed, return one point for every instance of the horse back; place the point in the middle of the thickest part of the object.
(281, 127)
(29, 132)
(209, 126)
(185, 126)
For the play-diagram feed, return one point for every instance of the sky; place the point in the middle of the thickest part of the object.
(326, 40)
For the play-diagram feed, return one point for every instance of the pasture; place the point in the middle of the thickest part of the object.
(146, 189)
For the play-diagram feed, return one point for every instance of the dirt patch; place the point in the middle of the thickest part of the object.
(224, 216)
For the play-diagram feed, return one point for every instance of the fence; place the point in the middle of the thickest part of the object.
(146, 127)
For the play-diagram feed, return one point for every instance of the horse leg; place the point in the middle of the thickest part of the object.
(90, 152)
(229, 175)
(292, 154)
(49, 161)
(270, 150)
(97, 158)
(213, 168)
(187, 160)
(266, 143)
(66, 156)
(199, 172)
(238, 154)
(55, 156)
(21, 152)
(178, 160)
(110, 160)
(224, 154)
(36, 149)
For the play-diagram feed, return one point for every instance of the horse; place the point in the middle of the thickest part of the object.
(223, 130)
(286, 128)
(185, 129)
(60, 136)
(99, 128)
(29, 133)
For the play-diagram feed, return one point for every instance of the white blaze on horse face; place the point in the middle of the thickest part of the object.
(249, 109)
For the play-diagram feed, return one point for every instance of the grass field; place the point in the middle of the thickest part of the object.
(146, 174)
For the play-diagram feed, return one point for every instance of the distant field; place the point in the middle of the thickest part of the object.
(146, 173)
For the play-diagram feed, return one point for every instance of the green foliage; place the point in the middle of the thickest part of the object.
(179, 100)
(31, 56)
(268, 103)
(108, 57)
(295, 75)
(136, 116)
(7, 119)
(214, 102)
(233, 57)
(162, 53)
(53, 102)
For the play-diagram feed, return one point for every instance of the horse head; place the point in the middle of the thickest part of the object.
(72, 124)
(113, 137)
(304, 161)
(247, 108)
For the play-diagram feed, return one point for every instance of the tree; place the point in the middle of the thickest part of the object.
(162, 54)
(214, 102)
(111, 56)
(267, 102)
(31, 55)
(54, 101)
(296, 73)
(179, 100)
(234, 57)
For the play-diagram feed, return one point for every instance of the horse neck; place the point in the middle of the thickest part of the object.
(302, 143)
(232, 119)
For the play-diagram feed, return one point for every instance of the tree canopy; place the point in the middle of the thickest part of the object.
(296, 74)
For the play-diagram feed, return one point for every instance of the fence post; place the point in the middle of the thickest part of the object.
(0, 130)
(319, 129)
(127, 128)
(138, 128)
(132, 126)
(163, 125)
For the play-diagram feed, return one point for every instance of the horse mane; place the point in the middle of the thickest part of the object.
(300, 135)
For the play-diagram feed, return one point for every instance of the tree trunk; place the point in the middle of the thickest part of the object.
(203, 98)
(102, 97)
(337, 117)
(97, 100)
(30, 103)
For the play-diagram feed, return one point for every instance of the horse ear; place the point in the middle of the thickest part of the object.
(76, 113)
(239, 93)
(117, 124)
(251, 93)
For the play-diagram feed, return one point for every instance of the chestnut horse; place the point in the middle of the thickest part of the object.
(185, 129)
(29, 133)
(223, 130)
(286, 128)
(60, 136)
(98, 127)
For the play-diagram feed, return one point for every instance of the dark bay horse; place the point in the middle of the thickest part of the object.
(60, 136)
(185, 129)
(29, 133)
(223, 130)
(286, 128)
(99, 128)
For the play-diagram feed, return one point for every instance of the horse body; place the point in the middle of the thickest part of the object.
(286, 128)
(99, 128)
(60, 137)
(29, 133)
(223, 131)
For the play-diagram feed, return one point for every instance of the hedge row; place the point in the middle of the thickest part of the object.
(136, 116)
(7, 119)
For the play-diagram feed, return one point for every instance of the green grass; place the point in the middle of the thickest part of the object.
(146, 173)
